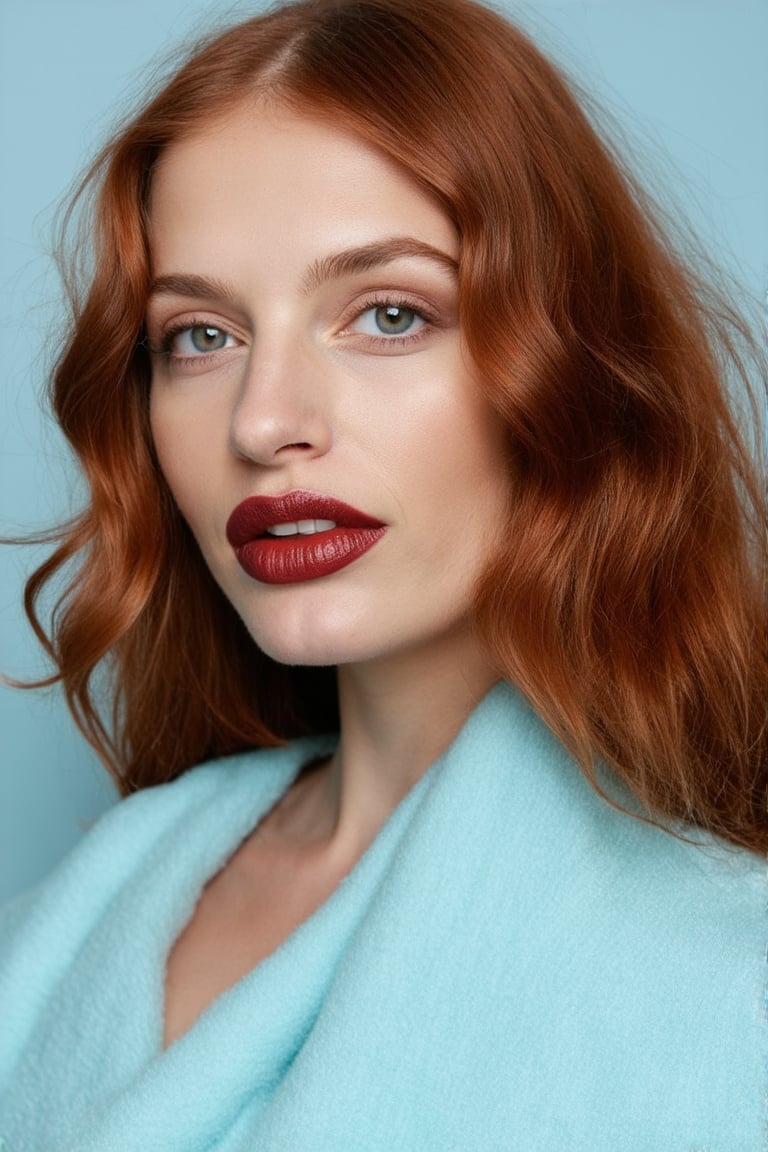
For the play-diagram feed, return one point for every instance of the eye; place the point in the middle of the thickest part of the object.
(389, 320)
(197, 340)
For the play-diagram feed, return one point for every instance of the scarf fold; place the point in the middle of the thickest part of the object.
(511, 965)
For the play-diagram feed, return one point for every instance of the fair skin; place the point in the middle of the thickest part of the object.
(283, 367)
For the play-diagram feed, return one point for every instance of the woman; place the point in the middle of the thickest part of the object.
(401, 422)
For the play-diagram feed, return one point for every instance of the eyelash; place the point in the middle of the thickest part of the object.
(169, 335)
(375, 301)
(384, 300)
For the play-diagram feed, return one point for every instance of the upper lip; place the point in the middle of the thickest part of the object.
(255, 514)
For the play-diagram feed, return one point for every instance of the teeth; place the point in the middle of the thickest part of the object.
(309, 527)
(301, 528)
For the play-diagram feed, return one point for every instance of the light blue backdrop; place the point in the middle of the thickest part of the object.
(687, 78)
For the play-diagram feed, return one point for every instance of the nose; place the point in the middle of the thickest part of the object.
(282, 411)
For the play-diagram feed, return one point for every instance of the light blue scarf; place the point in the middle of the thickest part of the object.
(512, 965)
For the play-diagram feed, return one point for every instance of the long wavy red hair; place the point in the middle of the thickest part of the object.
(628, 600)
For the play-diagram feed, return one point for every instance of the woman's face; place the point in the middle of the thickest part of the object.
(312, 408)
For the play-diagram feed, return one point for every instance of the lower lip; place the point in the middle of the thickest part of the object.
(293, 559)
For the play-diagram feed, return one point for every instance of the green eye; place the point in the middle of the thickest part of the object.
(191, 340)
(393, 319)
(205, 338)
(389, 319)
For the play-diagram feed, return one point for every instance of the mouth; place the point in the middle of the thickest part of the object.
(299, 536)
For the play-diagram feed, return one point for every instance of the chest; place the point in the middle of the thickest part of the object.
(243, 915)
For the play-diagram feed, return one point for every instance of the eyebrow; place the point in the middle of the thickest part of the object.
(368, 256)
(345, 263)
(183, 284)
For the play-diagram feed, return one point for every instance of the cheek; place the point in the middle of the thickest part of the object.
(185, 425)
(161, 432)
(431, 429)
(473, 454)
(179, 447)
(456, 481)
(483, 485)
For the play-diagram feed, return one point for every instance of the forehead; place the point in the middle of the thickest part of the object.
(266, 175)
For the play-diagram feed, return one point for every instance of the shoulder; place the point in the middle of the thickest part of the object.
(588, 859)
(129, 881)
(125, 837)
(641, 952)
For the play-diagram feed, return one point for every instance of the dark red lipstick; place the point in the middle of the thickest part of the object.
(304, 550)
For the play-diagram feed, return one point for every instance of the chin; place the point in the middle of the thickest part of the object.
(298, 647)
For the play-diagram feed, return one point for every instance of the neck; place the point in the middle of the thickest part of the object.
(397, 716)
